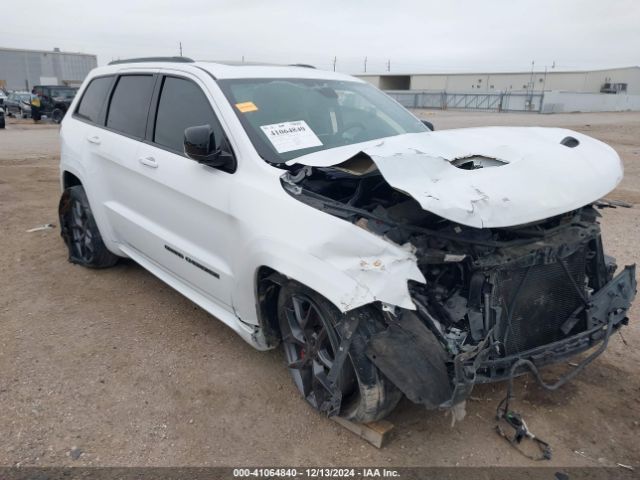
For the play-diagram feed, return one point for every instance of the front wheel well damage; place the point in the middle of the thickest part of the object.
(402, 360)
(338, 356)
(267, 288)
(268, 283)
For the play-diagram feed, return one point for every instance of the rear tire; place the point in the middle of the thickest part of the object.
(309, 337)
(80, 231)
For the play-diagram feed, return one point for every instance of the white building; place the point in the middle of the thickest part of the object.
(551, 91)
(22, 69)
(583, 81)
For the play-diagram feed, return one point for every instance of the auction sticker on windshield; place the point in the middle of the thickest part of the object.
(289, 136)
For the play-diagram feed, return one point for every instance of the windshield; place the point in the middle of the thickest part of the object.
(288, 118)
(63, 92)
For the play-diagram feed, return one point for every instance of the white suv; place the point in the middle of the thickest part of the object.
(308, 208)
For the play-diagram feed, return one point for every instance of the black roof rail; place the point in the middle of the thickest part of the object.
(303, 65)
(153, 59)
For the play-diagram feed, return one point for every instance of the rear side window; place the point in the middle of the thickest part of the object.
(130, 104)
(93, 98)
(182, 104)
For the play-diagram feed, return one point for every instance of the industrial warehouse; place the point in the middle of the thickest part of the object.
(22, 69)
(542, 91)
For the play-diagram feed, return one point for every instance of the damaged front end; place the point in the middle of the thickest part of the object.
(493, 297)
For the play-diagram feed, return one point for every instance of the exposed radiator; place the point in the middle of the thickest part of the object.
(544, 301)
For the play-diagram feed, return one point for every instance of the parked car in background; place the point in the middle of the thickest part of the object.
(55, 100)
(18, 104)
(3, 97)
(1, 117)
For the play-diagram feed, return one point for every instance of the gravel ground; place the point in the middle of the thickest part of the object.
(114, 368)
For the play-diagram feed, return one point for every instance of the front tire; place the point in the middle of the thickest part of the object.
(57, 115)
(309, 337)
(80, 231)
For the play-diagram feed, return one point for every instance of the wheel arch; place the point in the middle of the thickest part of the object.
(80, 231)
(332, 284)
(268, 283)
(69, 179)
(346, 275)
(70, 176)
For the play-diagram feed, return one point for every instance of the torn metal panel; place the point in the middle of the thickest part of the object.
(527, 173)
(371, 268)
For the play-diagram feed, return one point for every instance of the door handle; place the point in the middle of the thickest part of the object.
(148, 161)
(95, 140)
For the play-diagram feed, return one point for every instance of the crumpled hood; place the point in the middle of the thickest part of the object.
(537, 177)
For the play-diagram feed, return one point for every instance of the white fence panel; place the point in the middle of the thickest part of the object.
(489, 101)
(558, 102)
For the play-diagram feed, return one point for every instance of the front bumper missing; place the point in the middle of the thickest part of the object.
(409, 354)
(606, 313)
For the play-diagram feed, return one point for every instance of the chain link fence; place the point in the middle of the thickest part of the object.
(491, 102)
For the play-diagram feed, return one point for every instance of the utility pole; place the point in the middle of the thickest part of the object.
(389, 65)
(242, 58)
(365, 64)
(532, 86)
(180, 48)
(335, 60)
(531, 79)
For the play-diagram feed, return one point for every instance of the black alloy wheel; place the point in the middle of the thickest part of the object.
(80, 231)
(310, 339)
(310, 342)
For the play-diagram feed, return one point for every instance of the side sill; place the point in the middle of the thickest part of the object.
(246, 331)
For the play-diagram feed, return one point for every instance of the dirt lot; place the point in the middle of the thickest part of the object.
(129, 372)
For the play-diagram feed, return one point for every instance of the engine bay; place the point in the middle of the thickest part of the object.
(525, 286)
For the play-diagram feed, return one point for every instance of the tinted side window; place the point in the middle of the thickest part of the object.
(182, 104)
(130, 104)
(93, 98)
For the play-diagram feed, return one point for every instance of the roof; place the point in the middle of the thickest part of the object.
(228, 70)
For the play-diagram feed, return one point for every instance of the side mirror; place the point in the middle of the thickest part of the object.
(200, 145)
(429, 125)
(198, 142)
